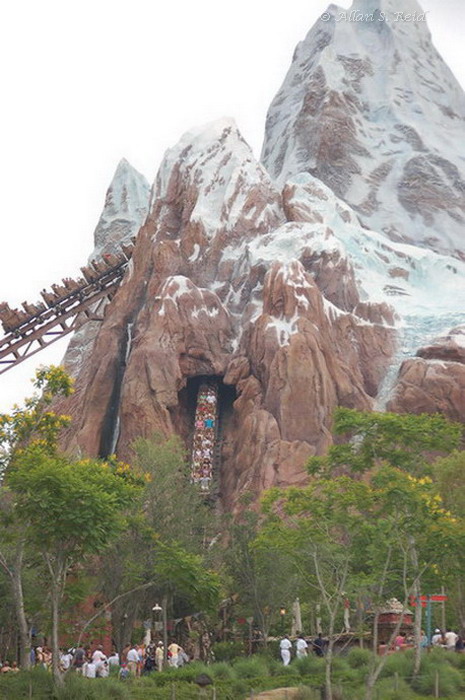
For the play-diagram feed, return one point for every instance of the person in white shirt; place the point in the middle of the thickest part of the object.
(89, 670)
(174, 654)
(436, 638)
(113, 659)
(301, 647)
(102, 670)
(451, 639)
(98, 655)
(132, 660)
(65, 660)
(285, 647)
(159, 656)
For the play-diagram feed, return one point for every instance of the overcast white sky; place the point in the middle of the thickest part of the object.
(87, 83)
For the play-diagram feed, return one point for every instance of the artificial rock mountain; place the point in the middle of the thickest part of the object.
(268, 275)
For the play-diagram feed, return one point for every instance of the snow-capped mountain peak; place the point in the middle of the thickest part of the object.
(370, 108)
(125, 208)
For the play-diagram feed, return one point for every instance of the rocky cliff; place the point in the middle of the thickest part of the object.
(295, 282)
(233, 278)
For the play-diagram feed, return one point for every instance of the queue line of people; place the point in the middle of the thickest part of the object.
(204, 436)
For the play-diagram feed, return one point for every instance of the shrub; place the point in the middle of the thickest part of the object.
(310, 666)
(390, 689)
(306, 693)
(274, 666)
(239, 689)
(36, 684)
(450, 680)
(252, 667)
(400, 663)
(227, 651)
(457, 660)
(186, 673)
(222, 671)
(359, 658)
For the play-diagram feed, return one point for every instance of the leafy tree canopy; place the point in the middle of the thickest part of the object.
(402, 440)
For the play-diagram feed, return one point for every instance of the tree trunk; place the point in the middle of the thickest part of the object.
(55, 602)
(461, 606)
(418, 611)
(24, 637)
(370, 685)
(328, 670)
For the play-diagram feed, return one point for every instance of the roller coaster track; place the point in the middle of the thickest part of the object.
(65, 309)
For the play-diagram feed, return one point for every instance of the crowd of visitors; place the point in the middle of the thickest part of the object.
(449, 640)
(135, 660)
(138, 659)
(204, 435)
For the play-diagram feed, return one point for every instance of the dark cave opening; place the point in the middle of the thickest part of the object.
(184, 415)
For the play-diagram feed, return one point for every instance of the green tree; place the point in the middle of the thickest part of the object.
(449, 475)
(361, 538)
(321, 528)
(402, 440)
(21, 432)
(263, 580)
(72, 510)
(175, 515)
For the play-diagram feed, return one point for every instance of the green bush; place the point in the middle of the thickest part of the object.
(239, 688)
(455, 659)
(36, 684)
(274, 666)
(450, 680)
(39, 684)
(78, 688)
(310, 666)
(343, 673)
(222, 671)
(359, 658)
(400, 662)
(186, 673)
(394, 689)
(227, 651)
(306, 693)
(252, 667)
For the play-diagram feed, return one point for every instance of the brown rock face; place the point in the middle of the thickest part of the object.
(221, 284)
(434, 382)
(430, 387)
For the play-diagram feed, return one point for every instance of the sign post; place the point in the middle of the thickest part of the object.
(425, 601)
(429, 625)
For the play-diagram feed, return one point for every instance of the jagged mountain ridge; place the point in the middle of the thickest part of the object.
(273, 287)
(124, 212)
(370, 108)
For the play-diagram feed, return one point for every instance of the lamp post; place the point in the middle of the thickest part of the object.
(157, 609)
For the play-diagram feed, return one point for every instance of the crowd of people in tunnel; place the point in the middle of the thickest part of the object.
(204, 436)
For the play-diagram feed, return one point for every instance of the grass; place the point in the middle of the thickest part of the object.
(236, 680)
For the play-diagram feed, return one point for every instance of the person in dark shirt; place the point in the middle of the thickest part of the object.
(319, 645)
(79, 659)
